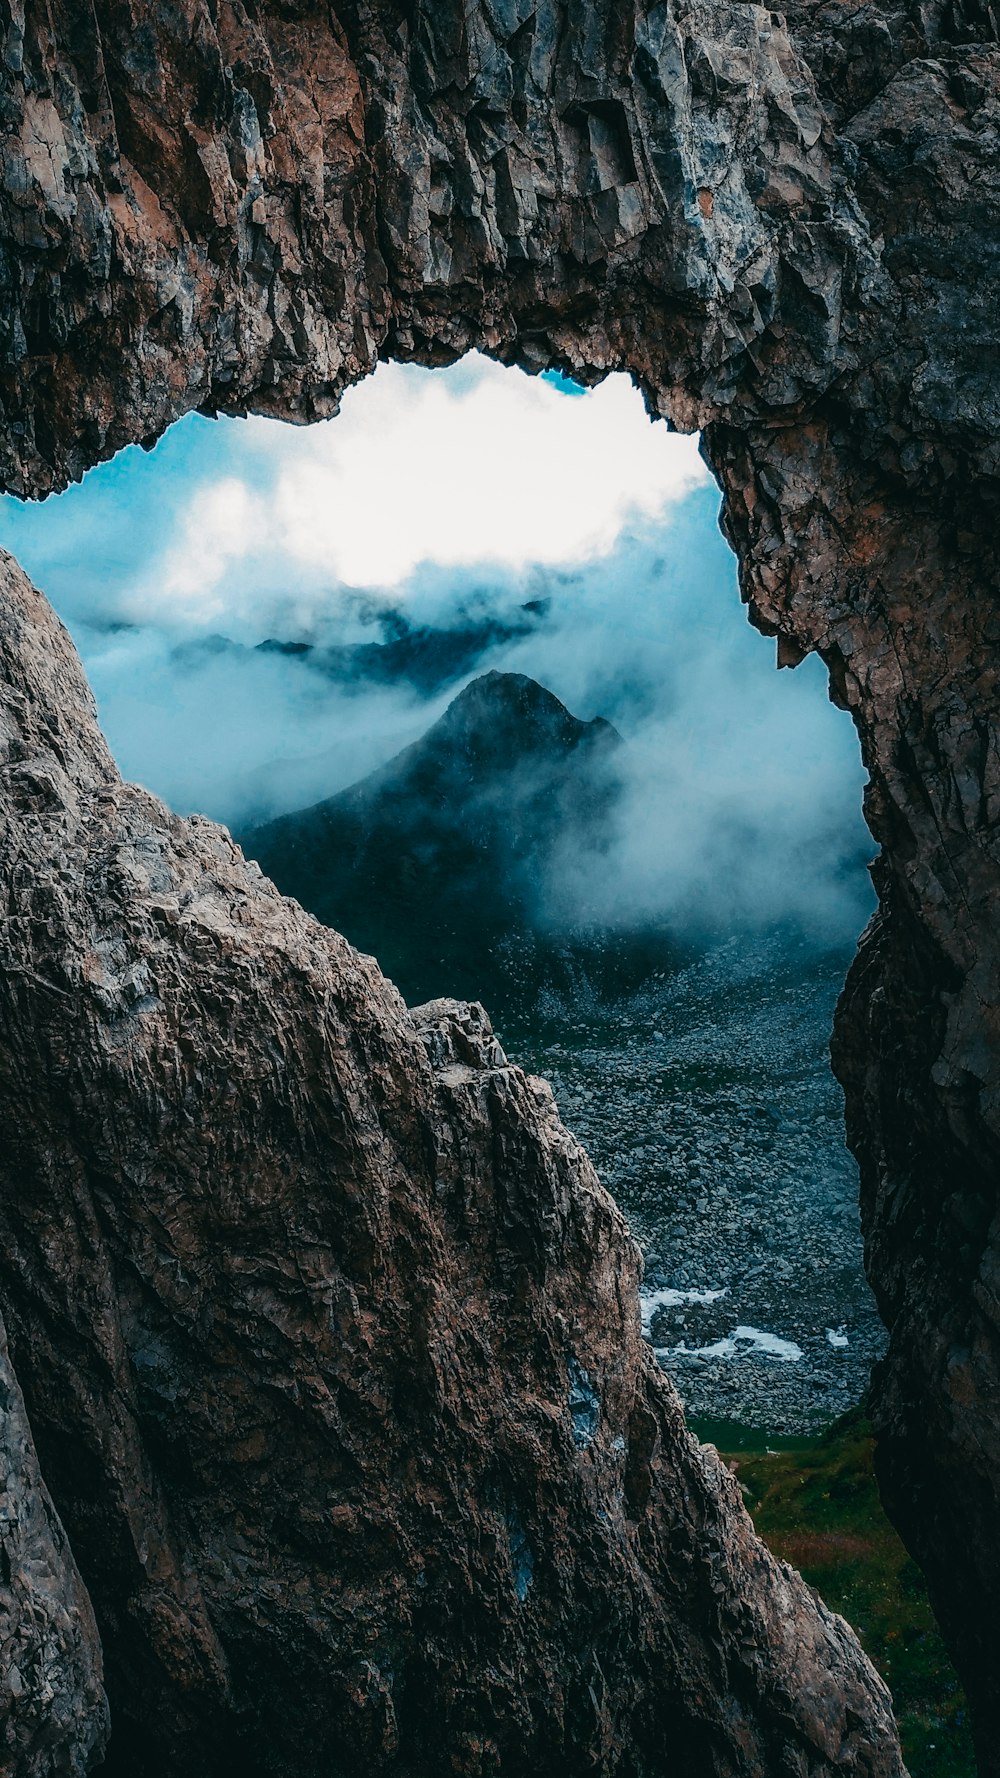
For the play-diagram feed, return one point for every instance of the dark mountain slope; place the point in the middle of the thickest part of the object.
(439, 857)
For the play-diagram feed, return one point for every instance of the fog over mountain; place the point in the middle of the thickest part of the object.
(440, 861)
(268, 615)
(401, 622)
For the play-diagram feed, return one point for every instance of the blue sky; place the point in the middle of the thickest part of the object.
(436, 494)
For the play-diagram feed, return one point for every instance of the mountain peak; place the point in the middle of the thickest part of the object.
(509, 715)
(436, 856)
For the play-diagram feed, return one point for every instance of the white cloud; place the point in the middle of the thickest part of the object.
(224, 524)
(461, 494)
(478, 464)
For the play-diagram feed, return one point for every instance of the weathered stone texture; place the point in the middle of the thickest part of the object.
(53, 1712)
(788, 230)
(331, 1341)
(211, 209)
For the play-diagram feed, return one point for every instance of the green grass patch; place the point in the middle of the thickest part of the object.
(816, 1505)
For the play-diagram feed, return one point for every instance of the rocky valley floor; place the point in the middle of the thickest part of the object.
(697, 1076)
(707, 1104)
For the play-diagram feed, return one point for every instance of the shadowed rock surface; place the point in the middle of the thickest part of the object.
(330, 1339)
(788, 230)
(53, 1712)
(429, 658)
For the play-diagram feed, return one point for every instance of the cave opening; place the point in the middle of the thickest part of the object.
(249, 213)
(465, 670)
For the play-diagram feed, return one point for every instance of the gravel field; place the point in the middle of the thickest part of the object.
(707, 1104)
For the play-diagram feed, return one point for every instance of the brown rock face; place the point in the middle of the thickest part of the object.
(788, 231)
(331, 1342)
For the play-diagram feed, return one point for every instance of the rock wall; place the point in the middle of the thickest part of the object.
(331, 1342)
(787, 229)
(53, 1711)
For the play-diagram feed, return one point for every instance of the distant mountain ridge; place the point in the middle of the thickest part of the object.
(427, 656)
(438, 856)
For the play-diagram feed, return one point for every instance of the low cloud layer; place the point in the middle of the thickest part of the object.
(260, 529)
(742, 786)
(455, 499)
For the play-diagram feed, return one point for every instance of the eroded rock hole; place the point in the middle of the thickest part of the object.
(464, 670)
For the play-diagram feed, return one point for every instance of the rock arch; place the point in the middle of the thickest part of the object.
(786, 228)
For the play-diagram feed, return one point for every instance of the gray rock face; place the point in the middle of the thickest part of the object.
(53, 1712)
(257, 205)
(788, 230)
(330, 1338)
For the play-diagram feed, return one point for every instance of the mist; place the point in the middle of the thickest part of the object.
(449, 502)
(741, 788)
(240, 735)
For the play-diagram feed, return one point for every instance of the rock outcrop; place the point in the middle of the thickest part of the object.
(787, 228)
(330, 1341)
